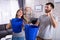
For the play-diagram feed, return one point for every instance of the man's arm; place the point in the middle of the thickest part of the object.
(53, 21)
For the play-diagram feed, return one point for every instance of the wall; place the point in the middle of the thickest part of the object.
(57, 13)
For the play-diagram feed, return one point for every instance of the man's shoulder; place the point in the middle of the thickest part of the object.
(41, 16)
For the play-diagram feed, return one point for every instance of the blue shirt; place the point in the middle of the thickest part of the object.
(31, 32)
(16, 24)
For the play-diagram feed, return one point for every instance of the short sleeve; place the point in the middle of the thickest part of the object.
(55, 18)
(39, 19)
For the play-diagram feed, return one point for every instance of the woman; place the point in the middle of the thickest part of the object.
(28, 14)
(31, 29)
(16, 24)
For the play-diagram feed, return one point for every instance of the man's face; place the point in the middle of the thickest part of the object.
(48, 8)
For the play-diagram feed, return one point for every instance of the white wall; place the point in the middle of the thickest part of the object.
(29, 3)
(57, 13)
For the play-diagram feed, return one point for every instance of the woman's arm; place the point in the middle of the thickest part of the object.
(8, 26)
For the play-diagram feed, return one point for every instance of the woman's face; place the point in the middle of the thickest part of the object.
(20, 13)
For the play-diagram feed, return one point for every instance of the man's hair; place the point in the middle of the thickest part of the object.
(34, 20)
(51, 4)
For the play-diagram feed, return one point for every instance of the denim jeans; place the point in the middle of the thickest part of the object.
(17, 38)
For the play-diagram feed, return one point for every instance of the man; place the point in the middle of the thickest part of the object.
(47, 23)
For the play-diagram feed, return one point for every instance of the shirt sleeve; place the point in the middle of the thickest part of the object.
(39, 19)
(55, 18)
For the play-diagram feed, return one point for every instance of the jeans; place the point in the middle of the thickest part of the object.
(17, 38)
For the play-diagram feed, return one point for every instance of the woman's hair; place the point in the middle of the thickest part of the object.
(17, 13)
(27, 9)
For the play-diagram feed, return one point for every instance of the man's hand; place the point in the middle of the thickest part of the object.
(53, 21)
